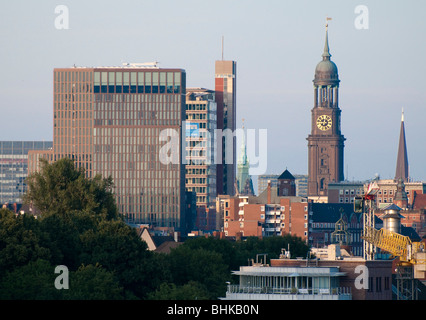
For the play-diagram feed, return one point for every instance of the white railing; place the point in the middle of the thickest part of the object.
(270, 290)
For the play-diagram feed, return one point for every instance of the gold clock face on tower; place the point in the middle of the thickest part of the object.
(324, 122)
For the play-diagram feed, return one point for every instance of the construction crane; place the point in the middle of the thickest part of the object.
(411, 255)
(412, 258)
(396, 244)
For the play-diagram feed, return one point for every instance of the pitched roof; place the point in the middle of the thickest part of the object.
(419, 201)
(331, 212)
(166, 246)
(402, 158)
(286, 175)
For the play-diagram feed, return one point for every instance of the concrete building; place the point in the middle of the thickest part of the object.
(332, 275)
(345, 191)
(200, 148)
(266, 215)
(325, 219)
(263, 179)
(301, 182)
(126, 122)
(14, 167)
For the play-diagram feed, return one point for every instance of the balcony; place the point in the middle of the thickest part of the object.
(237, 292)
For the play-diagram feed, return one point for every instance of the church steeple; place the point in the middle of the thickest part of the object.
(325, 142)
(402, 158)
(326, 55)
(243, 180)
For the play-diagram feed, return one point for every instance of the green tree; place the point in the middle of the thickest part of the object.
(202, 266)
(118, 249)
(190, 291)
(272, 247)
(33, 281)
(229, 253)
(19, 241)
(60, 188)
(92, 282)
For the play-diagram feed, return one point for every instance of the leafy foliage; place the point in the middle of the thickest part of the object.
(80, 228)
(60, 188)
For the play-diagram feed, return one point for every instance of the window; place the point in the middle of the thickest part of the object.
(378, 284)
(370, 284)
(386, 281)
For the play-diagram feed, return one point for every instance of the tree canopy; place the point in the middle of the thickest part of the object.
(80, 228)
(62, 188)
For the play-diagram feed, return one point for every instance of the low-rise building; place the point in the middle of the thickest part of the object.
(336, 275)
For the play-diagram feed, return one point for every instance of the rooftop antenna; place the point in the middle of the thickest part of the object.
(222, 48)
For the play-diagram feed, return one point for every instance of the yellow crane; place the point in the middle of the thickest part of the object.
(412, 255)
(397, 245)
(412, 258)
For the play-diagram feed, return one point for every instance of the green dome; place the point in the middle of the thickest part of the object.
(326, 72)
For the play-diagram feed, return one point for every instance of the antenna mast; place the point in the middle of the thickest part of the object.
(222, 48)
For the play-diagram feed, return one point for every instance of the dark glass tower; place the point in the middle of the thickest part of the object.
(225, 87)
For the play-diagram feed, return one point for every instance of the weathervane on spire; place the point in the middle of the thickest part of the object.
(326, 22)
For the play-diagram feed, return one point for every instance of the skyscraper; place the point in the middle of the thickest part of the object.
(326, 142)
(402, 158)
(117, 121)
(225, 87)
(200, 147)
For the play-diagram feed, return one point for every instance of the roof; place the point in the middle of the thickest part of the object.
(419, 201)
(275, 199)
(286, 175)
(402, 159)
(166, 246)
(294, 271)
(392, 207)
(331, 212)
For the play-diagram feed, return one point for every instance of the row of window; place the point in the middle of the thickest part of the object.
(375, 284)
(137, 89)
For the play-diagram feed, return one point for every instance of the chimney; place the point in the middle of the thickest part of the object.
(269, 192)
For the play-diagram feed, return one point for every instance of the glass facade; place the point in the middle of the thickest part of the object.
(14, 168)
(200, 146)
(225, 87)
(109, 120)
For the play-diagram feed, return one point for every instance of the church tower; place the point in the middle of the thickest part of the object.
(402, 158)
(244, 183)
(326, 142)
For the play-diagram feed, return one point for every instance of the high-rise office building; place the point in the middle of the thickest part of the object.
(200, 146)
(126, 122)
(225, 87)
(14, 167)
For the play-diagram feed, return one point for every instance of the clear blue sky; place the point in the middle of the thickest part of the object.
(276, 44)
